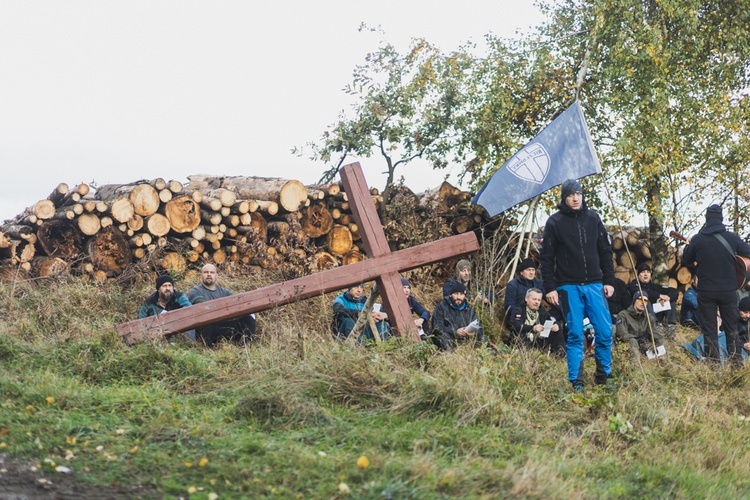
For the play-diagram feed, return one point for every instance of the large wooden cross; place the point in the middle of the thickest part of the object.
(382, 265)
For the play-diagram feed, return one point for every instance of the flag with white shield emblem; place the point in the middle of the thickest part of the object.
(563, 150)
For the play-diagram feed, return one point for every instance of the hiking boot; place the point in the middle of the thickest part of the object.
(577, 387)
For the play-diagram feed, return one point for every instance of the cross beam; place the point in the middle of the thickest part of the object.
(381, 265)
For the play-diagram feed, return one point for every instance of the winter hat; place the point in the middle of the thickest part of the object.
(744, 304)
(452, 286)
(643, 267)
(640, 295)
(569, 187)
(361, 285)
(713, 213)
(463, 264)
(405, 282)
(164, 278)
(526, 263)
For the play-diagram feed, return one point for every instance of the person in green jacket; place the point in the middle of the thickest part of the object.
(632, 328)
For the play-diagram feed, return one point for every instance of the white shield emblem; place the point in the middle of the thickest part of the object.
(530, 164)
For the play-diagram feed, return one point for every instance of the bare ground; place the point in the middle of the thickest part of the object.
(19, 481)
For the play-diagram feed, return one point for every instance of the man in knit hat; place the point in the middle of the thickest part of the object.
(578, 275)
(515, 291)
(665, 296)
(165, 298)
(474, 292)
(712, 251)
(452, 317)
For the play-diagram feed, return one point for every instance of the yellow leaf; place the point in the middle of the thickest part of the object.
(344, 488)
(50, 400)
(71, 440)
(203, 462)
(192, 490)
(188, 464)
(363, 462)
(134, 449)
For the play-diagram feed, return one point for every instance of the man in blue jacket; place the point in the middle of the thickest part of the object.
(578, 275)
(713, 252)
(346, 309)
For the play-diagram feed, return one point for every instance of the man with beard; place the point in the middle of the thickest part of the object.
(633, 327)
(242, 328)
(713, 252)
(452, 319)
(578, 275)
(164, 299)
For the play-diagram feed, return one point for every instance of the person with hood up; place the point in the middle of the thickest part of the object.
(712, 251)
(578, 275)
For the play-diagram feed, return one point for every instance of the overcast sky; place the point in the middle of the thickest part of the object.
(116, 91)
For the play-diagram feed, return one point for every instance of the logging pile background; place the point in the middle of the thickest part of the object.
(271, 223)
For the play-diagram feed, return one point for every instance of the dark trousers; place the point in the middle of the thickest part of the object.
(232, 330)
(725, 303)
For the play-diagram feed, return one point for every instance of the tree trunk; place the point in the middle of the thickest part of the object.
(183, 213)
(60, 238)
(109, 251)
(316, 221)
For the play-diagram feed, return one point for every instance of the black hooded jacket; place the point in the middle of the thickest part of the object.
(715, 269)
(575, 249)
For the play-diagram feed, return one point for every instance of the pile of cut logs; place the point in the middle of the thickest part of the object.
(268, 222)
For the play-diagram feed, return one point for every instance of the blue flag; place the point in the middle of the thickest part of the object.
(563, 150)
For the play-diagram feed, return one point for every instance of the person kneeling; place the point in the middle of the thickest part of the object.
(528, 324)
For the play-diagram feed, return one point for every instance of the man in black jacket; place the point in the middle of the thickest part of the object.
(656, 293)
(451, 318)
(578, 275)
(713, 252)
(528, 320)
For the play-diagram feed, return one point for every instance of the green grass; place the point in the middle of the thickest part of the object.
(290, 416)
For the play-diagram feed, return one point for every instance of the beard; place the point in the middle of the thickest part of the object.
(166, 297)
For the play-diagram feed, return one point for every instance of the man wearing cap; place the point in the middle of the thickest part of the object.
(165, 298)
(713, 252)
(415, 307)
(664, 295)
(242, 328)
(633, 327)
(451, 318)
(474, 292)
(346, 309)
(578, 275)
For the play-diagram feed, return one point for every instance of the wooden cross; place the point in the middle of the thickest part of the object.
(382, 265)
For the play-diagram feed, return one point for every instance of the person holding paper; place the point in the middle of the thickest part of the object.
(533, 326)
(578, 275)
(346, 309)
(662, 299)
(452, 317)
(633, 328)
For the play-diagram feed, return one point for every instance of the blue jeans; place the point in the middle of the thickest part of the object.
(578, 302)
(345, 326)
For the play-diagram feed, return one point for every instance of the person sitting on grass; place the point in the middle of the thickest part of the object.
(238, 329)
(633, 329)
(164, 299)
(416, 307)
(527, 323)
(474, 292)
(346, 309)
(454, 320)
(698, 346)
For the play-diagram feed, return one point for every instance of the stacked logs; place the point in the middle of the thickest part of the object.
(267, 222)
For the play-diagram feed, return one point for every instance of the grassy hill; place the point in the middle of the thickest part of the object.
(292, 416)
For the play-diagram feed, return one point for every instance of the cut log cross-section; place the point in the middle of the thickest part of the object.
(383, 266)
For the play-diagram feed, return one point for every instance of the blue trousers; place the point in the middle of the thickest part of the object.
(578, 302)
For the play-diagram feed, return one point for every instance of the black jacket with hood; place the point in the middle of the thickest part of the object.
(575, 246)
(716, 267)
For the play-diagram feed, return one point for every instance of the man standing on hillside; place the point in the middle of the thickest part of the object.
(713, 252)
(164, 299)
(234, 329)
(578, 276)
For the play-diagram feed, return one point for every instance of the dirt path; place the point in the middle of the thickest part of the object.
(18, 481)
